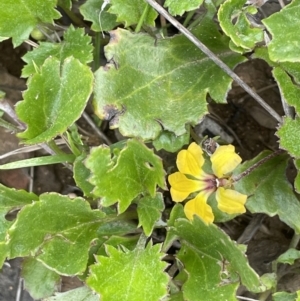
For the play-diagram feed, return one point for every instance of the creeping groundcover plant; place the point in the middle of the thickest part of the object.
(157, 202)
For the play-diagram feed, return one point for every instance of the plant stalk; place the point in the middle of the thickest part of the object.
(142, 18)
(257, 164)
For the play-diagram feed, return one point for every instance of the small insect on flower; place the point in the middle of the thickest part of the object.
(191, 179)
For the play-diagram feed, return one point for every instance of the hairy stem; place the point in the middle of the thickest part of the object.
(257, 164)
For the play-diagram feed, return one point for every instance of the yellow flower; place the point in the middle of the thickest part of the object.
(192, 179)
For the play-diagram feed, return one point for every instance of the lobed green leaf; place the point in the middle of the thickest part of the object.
(241, 32)
(149, 211)
(211, 261)
(12, 199)
(154, 85)
(269, 191)
(179, 7)
(56, 230)
(284, 28)
(19, 18)
(129, 12)
(121, 178)
(170, 142)
(39, 281)
(55, 99)
(289, 256)
(138, 275)
(101, 21)
(75, 43)
(289, 135)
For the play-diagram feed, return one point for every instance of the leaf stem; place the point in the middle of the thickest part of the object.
(142, 18)
(257, 164)
(55, 148)
(215, 59)
(295, 240)
(188, 18)
(76, 20)
(9, 126)
(97, 51)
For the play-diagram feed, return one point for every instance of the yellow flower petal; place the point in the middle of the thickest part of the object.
(230, 201)
(199, 207)
(224, 160)
(191, 160)
(182, 187)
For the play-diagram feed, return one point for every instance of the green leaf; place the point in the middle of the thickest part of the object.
(289, 91)
(65, 3)
(289, 134)
(75, 44)
(171, 143)
(297, 179)
(289, 256)
(78, 294)
(211, 260)
(153, 85)
(19, 18)
(176, 213)
(101, 21)
(241, 32)
(54, 159)
(179, 7)
(56, 230)
(39, 281)
(284, 296)
(121, 179)
(138, 275)
(149, 211)
(176, 297)
(50, 106)
(269, 191)
(12, 199)
(129, 12)
(287, 75)
(116, 227)
(3, 253)
(127, 242)
(284, 28)
(81, 174)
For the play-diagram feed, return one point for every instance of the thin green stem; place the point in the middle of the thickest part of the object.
(77, 21)
(196, 22)
(97, 51)
(9, 126)
(295, 240)
(142, 18)
(188, 18)
(256, 165)
(55, 148)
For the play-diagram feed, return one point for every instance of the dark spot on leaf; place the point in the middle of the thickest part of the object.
(113, 62)
(112, 113)
(109, 112)
(106, 67)
(113, 37)
(149, 165)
